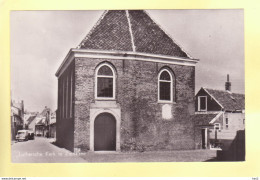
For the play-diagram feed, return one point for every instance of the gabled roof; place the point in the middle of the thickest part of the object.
(130, 30)
(44, 111)
(30, 119)
(228, 100)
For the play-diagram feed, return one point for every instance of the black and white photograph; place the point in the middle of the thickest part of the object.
(127, 86)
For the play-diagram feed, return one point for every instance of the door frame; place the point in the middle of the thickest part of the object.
(92, 121)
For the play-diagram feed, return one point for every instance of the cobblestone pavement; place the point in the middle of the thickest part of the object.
(41, 150)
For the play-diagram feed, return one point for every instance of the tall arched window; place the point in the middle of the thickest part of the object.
(105, 82)
(165, 86)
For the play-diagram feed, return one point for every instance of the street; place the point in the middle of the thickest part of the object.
(41, 150)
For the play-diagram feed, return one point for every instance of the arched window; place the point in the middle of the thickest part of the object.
(105, 82)
(165, 86)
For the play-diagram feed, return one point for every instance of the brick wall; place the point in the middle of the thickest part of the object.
(142, 126)
(65, 111)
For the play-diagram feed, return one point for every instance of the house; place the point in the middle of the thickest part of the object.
(40, 126)
(53, 125)
(42, 123)
(128, 86)
(30, 122)
(220, 114)
(17, 117)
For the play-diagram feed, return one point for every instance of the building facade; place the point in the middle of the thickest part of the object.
(53, 125)
(220, 114)
(17, 117)
(127, 86)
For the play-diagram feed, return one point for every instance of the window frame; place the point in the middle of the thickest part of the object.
(217, 124)
(171, 86)
(106, 76)
(227, 122)
(206, 103)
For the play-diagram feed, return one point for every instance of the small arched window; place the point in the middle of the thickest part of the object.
(105, 82)
(165, 86)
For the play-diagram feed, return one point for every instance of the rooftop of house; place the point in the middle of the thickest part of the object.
(30, 119)
(130, 34)
(130, 30)
(228, 100)
(45, 110)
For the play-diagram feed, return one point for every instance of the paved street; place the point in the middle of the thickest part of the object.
(41, 150)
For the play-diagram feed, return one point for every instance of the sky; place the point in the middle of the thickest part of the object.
(40, 40)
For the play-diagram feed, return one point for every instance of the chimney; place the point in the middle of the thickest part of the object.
(228, 84)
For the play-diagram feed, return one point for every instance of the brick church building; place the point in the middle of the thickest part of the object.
(127, 87)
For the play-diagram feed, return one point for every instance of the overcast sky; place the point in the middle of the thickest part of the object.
(40, 41)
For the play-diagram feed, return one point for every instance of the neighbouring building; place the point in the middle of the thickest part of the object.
(42, 123)
(53, 125)
(31, 121)
(17, 117)
(127, 86)
(220, 114)
(40, 126)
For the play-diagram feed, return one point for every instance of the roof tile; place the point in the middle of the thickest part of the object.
(112, 32)
(230, 101)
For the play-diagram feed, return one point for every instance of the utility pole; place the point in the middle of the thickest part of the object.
(48, 113)
(49, 126)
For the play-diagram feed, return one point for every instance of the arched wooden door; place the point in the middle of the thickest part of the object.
(105, 132)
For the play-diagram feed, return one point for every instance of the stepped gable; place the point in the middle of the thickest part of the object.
(130, 30)
(110, 33)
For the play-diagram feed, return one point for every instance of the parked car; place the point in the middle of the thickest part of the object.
(22, 135)
(31, 135)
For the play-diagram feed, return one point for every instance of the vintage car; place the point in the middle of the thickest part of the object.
(30, 135)
(22, 135)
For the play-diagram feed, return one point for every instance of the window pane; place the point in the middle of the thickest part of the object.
(202, 103)
(105, 87)
(226, 120)
(165, 91)
(165, 76)
(105, 70)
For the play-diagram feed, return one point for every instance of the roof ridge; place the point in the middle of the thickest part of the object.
(230, 92)
(216, 89)
(130, 30)
(92, 30)
(189, 56)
